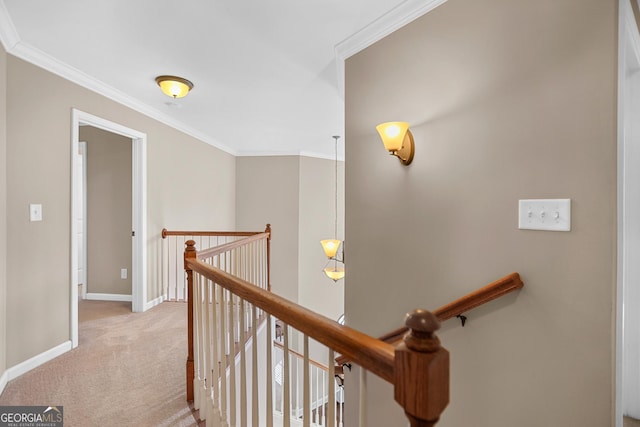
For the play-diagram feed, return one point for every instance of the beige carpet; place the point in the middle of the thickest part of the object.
(129, 370)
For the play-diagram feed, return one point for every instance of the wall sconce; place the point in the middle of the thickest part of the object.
(175, 87)
(398, 140)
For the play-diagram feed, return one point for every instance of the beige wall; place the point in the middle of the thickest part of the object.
(294, 194)
(3, 209)
(108, 210)
(508, 99)
(39, 146)
(317, 212)
(267, 191)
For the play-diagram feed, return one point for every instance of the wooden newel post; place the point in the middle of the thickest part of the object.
(189, 253)
(421, 357)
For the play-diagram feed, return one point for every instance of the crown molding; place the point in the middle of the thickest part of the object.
(14, 46)
(396, 18)
(8, 34)
(391, 21)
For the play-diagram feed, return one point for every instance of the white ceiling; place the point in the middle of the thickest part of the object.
(265, 72)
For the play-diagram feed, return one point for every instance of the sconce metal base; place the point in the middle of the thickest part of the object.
(405, 154)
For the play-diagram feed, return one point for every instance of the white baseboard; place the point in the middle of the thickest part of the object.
(29, 364)
(108, 297)
(153, 303)
(4, 379)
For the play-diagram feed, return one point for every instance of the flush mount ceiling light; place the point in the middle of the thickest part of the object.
(175, 87)
(398, 140)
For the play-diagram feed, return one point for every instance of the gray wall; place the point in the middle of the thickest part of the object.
(3, 209)
(108, 210)
(39, 146)
(508, 99)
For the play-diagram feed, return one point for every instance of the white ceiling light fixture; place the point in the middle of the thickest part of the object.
(173, 86)
(331, 246)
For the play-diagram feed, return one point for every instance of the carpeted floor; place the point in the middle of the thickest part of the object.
(129, 370)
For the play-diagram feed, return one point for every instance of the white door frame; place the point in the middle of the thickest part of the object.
(627, 381)
(82, 254)
(139, 210)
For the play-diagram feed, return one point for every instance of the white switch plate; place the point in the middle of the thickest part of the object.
(123, 273)
(544, 214)
(35, 212)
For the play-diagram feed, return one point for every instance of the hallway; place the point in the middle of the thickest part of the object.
(127, 371)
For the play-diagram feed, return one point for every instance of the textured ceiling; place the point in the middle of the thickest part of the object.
(265, 72)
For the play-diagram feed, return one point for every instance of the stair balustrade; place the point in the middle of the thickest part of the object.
(231, 356)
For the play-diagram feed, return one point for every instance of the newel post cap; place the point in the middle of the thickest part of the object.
(422, 370)
(189, 252)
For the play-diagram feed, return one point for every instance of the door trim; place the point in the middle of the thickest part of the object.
(139, 210)
(628, 185)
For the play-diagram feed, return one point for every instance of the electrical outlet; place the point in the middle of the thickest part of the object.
(544, 214)
(35, 212)
(123, 273)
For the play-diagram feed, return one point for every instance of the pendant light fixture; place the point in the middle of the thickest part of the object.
(333, 270)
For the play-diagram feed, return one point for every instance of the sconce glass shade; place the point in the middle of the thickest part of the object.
(392, 134)
(334, 273)
(175, 87)
(330, 247)
(397, 140)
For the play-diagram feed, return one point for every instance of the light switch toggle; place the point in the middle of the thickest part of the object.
(544, 214)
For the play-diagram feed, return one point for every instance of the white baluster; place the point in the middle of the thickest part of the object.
(224, 394)
(207, 403)
(243, 367)
(232, 364)
(269, 381)
(255, 407)
(306, 396)
(215, 357)
(286, 395)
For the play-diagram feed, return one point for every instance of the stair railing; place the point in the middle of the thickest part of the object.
(418, 368)
(172, 252)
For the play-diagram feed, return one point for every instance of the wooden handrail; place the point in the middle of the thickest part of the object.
(166, 233)
(217, 250)
(494, 290)
(372, 354)
(301, 356)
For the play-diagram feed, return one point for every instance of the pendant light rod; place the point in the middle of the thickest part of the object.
(335, 231)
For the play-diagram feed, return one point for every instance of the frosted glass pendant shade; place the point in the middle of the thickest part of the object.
(334, 273)
(330, 247)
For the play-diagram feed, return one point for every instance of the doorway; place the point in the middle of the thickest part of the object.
(628, 288)
(138, 208)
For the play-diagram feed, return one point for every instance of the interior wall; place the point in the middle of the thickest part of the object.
(109, 210)
(3, 210)
(39, 171)
(296, 196)
(317, 222)
(268, 191)
(508, 100)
